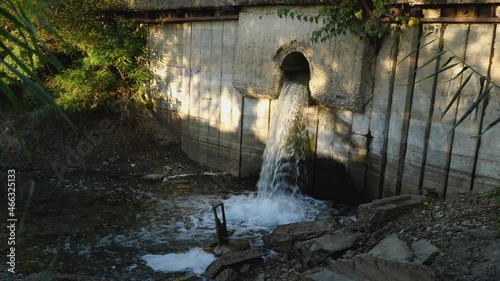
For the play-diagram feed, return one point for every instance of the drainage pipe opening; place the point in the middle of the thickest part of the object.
(296, 67)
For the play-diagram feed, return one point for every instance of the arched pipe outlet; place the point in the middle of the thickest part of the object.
(296, 67)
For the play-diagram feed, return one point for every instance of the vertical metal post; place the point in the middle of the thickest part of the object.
(220, 226)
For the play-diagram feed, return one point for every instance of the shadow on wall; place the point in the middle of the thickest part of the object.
(331, 182)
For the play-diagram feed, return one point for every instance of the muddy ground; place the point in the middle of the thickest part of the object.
(66, 208)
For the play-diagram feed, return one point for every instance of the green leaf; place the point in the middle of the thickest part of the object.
(491, 125)
(457, 94)
(436, 56)
(416, 50)
(457, 75)
(444, 68)
(474, 106)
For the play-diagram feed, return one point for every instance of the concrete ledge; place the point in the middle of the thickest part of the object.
(152, 5)
(179, 4)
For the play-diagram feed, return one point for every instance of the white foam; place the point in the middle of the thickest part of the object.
(195, 260)
(251, 216)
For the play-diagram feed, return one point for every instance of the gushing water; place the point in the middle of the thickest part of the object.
(278, 199)
(283, 170)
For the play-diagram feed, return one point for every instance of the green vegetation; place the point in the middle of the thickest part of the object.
(364, 17)
(88, 57)
(22, 54)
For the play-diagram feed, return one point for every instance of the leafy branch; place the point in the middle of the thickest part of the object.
(485, 87)
(18, 38)
(369, 17)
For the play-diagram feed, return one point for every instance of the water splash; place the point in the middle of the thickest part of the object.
(278, 200)
(283, 169)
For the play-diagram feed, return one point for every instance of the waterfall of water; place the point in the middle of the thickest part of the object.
(283, 169)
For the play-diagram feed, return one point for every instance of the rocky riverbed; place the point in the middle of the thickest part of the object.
(97, 219)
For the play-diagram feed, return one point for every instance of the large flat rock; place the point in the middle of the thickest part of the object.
(368, 267)
(392, 248)
(314, 251)
(423, 251)
(380, 211)
(230, 261)
(323, 274)
(284, 236)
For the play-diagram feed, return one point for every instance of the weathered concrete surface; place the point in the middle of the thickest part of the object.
(314, 251)
(284, 236)
(177, 4)
(487, 170)
(368, 267)
(423, 251)
(341, 69)
(231, 260)
(398, 144)
(383, 210)
(323, 274)
(440, 138)
(392, 248)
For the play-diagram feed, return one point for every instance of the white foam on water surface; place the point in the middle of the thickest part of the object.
(251, 216)
(195, 260)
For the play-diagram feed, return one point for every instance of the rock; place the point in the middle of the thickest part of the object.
(105, 163)
(392, 248)
(368, 267)
(153, 177)
(423, 251)
(228, 274)
(245, 268)
(231, 261)
(261, 277)
(231, 247)
(314, 251)
(285, 235)
(113, 159)
(380, 211)
(60, 277)
(323, 274)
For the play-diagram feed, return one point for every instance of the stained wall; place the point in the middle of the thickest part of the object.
(395, 141)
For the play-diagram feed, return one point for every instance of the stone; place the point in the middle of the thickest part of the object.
(261, 277)
(232, 261)
(368, 267)
(228, 274)
(284, 236)
(105, 163)
(380, 211)
(423, 251)
(314, 251)
(153, 177)
(232, 247)
(323, 274)
(392, 248)
(113, 159)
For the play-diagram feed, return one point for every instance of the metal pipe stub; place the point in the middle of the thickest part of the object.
(220, 226)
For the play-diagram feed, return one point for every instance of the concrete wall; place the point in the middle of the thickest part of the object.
(340, 68)
(397, 143)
